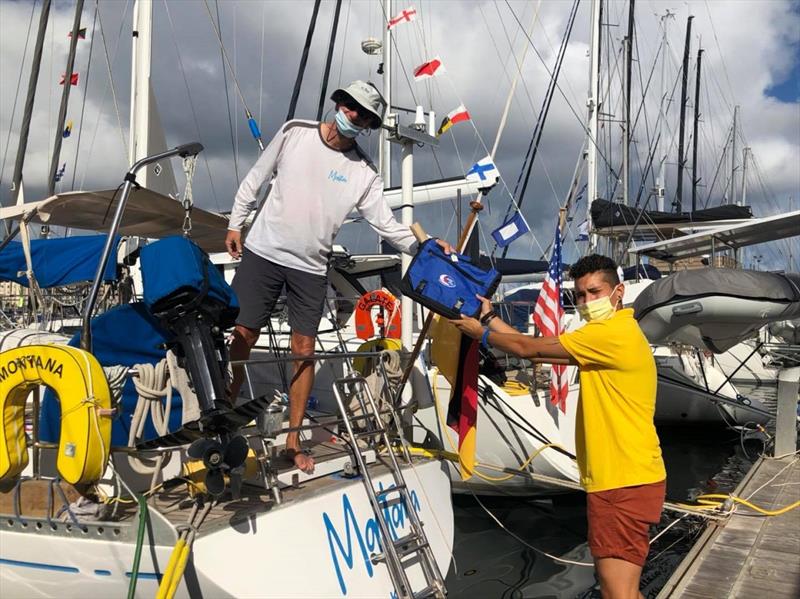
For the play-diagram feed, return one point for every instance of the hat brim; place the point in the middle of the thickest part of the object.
(340, 95)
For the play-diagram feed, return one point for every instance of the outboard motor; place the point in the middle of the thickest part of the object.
(191, 299)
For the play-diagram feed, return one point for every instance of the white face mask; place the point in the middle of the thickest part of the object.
(598, 309)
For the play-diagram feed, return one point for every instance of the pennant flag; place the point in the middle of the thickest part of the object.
(60, 172)
(406, 16)
(428, 69)
(510, 230)
(458, 115)
(462, 413)
(484, 171)
(583, 231)
(67, 130)
(81, 33)
(73, 80)
(548, 315)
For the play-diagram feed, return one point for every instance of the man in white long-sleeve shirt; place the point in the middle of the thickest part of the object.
(319, 176)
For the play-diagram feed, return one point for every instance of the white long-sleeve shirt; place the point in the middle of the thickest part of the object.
(314, 189)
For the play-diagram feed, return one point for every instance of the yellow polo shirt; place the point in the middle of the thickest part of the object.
(615, 438)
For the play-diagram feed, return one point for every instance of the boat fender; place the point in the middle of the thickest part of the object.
(83, 392)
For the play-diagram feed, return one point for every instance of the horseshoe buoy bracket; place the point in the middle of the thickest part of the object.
(83, 392)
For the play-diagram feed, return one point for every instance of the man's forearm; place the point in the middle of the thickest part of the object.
(498, 325)
(538, 349)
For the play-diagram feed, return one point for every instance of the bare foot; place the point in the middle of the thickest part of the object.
(302, 460)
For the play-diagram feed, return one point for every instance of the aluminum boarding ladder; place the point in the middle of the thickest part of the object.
(400, 553)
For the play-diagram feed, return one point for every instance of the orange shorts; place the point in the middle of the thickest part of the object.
(620, 519)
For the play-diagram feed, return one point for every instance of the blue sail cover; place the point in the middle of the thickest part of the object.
(58, 261)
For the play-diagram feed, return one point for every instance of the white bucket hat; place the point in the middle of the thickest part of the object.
(367, 96)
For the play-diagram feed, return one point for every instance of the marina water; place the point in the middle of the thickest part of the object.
(490, 562)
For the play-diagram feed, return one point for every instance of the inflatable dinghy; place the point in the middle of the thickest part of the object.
(714, 309)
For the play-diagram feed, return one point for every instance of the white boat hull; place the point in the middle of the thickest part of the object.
(509, 430)
(318, 545)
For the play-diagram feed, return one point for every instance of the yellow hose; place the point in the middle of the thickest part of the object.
(454, 456)
(706, 500)
(166, 579)
(180, 567)
(515, 388)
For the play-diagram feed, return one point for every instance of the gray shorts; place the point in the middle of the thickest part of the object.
(258, 284)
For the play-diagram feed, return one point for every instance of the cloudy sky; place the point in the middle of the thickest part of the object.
(751, 59)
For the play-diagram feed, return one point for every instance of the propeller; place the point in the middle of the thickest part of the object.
(220, 459)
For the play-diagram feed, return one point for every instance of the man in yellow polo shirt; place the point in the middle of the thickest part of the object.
(619, 456)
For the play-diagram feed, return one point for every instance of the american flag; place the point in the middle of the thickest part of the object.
(548, 315)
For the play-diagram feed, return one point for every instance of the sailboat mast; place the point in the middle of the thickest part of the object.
(662, 114)
(733, 154)
(385, 149)
(695, 176)
(626, 146)
(25, 127)
(140, 75)
(62, 110)
(745, 153)
(594, 107)
(681, 132)
(146, 132)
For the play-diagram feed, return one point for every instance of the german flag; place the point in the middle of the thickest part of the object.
(456, 116)
(462, 413)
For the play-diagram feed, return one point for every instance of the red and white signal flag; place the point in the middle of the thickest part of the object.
(428, 69)
(406, 16)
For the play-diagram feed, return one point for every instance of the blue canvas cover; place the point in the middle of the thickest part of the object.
(58, 261)
(447, 284)
(175, 267)
(125, 335)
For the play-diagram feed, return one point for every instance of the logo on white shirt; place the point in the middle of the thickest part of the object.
(336, 177)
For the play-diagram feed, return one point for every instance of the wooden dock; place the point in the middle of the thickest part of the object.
(748, 555)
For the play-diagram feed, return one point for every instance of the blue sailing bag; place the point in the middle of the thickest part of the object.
(447, 284)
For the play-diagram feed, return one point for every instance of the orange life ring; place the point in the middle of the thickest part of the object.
(388, 318)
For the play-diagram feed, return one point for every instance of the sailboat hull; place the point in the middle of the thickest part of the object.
(317, 545)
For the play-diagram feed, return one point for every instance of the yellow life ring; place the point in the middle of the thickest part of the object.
(85, 398)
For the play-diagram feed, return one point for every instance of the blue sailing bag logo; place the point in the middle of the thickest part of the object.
(447, 280)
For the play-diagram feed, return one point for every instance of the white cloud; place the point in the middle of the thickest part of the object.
(749, 48)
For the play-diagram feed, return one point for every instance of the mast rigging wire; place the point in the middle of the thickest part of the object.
(111, 82)
(191, 104)
(540, 121)
(16, 93)
(303, 60)
(324, 89)
(224, 57)
(344, 43)
(225, 54)
(85, 95)
(574, 112)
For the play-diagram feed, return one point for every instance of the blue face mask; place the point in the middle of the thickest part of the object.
(346, 126)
